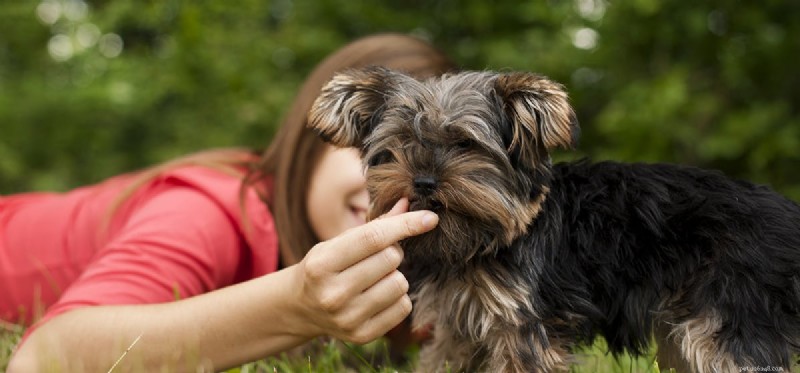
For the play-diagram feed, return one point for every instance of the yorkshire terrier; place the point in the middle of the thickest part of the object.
(532, 259)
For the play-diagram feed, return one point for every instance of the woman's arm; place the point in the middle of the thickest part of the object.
(217, 330)
(347, 288)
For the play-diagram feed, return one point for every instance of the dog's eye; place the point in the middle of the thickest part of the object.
(381, 158)
(465, 144)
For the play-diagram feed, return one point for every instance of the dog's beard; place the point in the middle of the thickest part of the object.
(453, 242)
(474, 218)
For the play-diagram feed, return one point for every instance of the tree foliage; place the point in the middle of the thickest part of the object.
(89, 89)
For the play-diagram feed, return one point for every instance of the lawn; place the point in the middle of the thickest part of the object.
(334, 357)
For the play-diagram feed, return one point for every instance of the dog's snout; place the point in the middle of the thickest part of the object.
(425, 185)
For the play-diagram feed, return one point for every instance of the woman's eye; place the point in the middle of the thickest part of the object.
(381, 158)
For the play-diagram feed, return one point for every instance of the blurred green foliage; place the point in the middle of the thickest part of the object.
(89, 89)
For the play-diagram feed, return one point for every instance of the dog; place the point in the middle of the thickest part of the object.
(532, 259)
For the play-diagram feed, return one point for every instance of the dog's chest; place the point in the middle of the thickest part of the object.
(480, 300)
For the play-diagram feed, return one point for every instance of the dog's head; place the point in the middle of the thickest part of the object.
(473, 147)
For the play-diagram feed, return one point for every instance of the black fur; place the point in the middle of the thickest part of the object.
(619, 247)
(635, 235)
(624, 251)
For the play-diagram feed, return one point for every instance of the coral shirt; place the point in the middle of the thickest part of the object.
(179, 235)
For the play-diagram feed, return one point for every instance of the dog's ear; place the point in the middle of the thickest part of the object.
(539, 111)
(350, 104)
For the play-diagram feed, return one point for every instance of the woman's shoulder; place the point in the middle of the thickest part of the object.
(243, 203)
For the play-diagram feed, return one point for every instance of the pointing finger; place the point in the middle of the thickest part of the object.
(368, 239)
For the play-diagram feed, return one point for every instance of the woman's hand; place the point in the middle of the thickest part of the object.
(349, 287)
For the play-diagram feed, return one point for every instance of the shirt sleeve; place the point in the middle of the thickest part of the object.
(178, 244)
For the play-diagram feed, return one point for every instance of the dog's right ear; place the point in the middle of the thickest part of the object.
(539, 111)
(350, 105)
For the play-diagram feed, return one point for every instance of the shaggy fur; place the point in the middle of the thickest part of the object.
(531, 259)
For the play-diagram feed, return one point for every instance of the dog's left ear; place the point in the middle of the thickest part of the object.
(539, 111)
(350, 104)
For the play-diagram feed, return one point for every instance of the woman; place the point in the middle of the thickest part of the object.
(215, 259)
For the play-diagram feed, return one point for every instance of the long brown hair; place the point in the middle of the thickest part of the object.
(295, 149)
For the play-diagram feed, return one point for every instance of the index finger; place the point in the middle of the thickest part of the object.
(361, 242)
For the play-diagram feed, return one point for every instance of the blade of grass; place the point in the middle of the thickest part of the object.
(135, 341)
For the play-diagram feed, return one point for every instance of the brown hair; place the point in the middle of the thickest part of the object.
(295, 148)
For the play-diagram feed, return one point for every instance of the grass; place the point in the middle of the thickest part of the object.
(336, 357)
(10, 334)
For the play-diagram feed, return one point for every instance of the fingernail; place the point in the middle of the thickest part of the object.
(429, 220)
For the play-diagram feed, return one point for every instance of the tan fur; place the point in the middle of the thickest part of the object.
(444, 353)
(474, 148)
(526, 93)
(347, 102)
(669, 354)
(698, 345)
(446, 129)
(479, 312)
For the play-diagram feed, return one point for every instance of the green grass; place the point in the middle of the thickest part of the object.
(339, 357)
(336, 357)
(9, 336)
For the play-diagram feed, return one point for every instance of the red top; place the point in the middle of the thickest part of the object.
(179, 235)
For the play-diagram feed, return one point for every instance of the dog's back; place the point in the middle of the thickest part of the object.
(714, 260)
(529, 258)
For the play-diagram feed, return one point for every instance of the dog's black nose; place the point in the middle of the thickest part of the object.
(425, 185)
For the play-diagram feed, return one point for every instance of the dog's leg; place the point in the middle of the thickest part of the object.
(700, 347)
(669, 353)
(710, 345)
(445, 353)
(522, 350)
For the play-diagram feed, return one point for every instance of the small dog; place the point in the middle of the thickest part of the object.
(531, 259)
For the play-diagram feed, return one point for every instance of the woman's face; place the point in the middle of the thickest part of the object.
(337, 194)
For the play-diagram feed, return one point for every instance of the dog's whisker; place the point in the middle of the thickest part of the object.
(530, 259)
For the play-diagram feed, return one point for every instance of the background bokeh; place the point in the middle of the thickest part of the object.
(89, 89)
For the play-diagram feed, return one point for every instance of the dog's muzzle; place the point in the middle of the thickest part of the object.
(423, 198)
